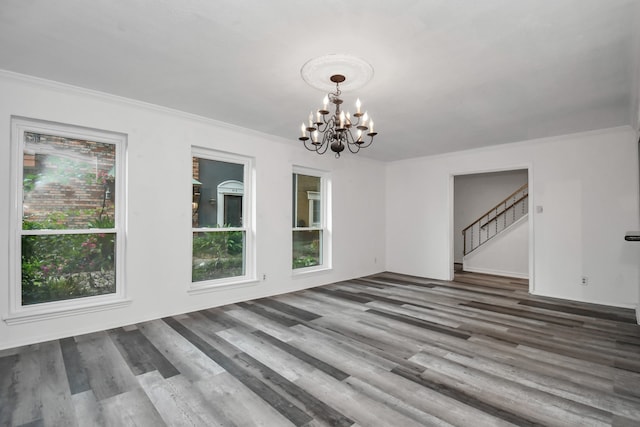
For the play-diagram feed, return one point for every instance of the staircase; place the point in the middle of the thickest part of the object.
(496, 220)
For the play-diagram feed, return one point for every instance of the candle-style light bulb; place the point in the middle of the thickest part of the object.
(303, 129)
(318, 115)
(370, 126)
(311, 119)
(315, 136)
(341, 119)
(325, 102)
(358, 105)
(348, 118)
(365, 117)
(359, 135)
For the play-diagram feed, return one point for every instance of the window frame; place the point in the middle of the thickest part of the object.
(19, 313)
(324, 197)
(248, 220)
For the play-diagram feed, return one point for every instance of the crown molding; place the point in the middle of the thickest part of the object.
(527, 142)
(130, 102)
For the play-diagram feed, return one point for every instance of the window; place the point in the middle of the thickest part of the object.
(310, 219)
(221, 223)
(69, 206)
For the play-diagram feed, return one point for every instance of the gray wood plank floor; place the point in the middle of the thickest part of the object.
(384, 350)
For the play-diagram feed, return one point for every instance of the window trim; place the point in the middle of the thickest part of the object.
(325, 223)
(248, 221)
(19, 313)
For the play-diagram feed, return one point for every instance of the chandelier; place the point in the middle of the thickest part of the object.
(337, 130)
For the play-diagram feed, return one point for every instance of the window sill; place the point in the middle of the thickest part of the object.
(213, 286)
(37, 315)
(305, 272)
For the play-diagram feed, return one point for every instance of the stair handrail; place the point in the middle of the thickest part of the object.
(501, 212)
(498, 205)
(497, 215)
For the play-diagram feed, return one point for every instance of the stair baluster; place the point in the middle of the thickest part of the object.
(507, 211)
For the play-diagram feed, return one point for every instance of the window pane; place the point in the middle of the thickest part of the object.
(67, 183)
(218, 192)
(307, 248)
(306, 191)
(218, 254)
(60, 267)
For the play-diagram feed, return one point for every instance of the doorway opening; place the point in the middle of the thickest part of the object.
(488, 200)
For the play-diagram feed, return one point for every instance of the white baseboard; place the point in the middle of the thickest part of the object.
(496, 272)
(589, 301)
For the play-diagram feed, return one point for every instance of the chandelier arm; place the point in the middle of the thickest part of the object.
(309, 147)
(354, 147)
(348, 138)
(325, 127)
(366, 144)
(322, 147)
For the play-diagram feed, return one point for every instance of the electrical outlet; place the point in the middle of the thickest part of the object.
(264, 277)
(585, 281)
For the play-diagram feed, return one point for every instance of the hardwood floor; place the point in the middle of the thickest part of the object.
(506, 283)
(385, 350)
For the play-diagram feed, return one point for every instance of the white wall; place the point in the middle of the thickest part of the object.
(158, 259)
(587, 185)
(475, 194)
(507, 254)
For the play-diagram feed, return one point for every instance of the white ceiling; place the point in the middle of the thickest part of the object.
(449, 74)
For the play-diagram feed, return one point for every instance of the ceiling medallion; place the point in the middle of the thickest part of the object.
(317, 72)
(333, 130)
